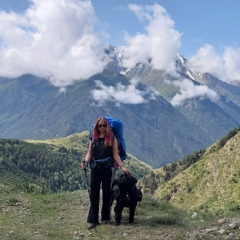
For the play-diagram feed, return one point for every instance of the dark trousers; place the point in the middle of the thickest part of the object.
(100, 175)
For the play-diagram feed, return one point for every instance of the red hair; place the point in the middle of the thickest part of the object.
(108, 134)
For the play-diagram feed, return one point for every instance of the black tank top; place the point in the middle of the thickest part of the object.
(100, 150)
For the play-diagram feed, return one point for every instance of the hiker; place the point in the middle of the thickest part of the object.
(101, 155)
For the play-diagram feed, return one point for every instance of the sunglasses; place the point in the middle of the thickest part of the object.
(102, 125)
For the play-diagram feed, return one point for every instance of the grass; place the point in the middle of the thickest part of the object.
(63, 216)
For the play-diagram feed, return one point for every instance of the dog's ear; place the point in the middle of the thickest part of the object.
(115, 181)
(133, 180)
(139, 195)
(115, 192)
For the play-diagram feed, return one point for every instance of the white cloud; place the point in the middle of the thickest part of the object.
(231, 58)
(160, 43)
(58, 40)
(53, 39)
(122, 94)
(225, 66)
(188, 90)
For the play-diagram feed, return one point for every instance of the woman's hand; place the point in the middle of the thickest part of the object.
(124, 169)
(84, 164)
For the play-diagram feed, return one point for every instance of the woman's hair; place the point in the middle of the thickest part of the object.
(108, 135)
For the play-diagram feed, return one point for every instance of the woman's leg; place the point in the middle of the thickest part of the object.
(94, 196)
(106, 188)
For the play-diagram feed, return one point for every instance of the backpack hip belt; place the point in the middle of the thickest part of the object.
(103, 162)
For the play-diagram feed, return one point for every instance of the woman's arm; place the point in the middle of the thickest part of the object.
(88, 156)
(117, 157)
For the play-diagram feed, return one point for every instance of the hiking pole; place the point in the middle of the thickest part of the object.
(89, 194)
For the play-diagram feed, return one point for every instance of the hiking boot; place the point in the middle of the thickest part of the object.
(117, 223)
(91, 226)
(132, 222)
(105, 222)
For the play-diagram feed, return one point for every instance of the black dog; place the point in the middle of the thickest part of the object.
(126, 194)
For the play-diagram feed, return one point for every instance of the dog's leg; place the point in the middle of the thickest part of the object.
(132, 210)
(118, 212)
(132, 204)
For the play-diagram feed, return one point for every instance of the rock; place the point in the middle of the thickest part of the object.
(231, 235)
(208, 230)
(233, 225)
(221, 231)
(194, 215)
(221, 220)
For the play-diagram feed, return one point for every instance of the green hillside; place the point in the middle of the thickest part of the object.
(43, 196)
(51, 165)
(211, 183)
(78, 141)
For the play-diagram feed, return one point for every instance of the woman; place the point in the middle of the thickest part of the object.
(102, 154)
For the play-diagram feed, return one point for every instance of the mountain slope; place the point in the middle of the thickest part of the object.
(231, 92)
(155, 131)
(213, 182)
(219, 117)
(51, 165)
(208, 116)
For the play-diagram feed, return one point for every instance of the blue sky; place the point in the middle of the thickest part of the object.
(201, 21)
(60, 39)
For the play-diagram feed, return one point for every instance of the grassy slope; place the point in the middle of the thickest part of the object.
(80, 142)
(75, 141)
(211, 183)
(63, 216)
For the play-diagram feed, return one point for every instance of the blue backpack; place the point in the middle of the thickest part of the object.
(117, 130)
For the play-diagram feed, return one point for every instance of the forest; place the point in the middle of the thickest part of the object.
(40, 167)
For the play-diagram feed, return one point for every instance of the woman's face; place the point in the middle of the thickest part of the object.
(102, 126)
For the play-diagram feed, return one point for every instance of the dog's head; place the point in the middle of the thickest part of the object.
(126, 181)
(126, 184)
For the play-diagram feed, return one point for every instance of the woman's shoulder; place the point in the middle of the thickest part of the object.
(114, 139)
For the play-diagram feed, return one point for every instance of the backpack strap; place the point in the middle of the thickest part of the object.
(103, 160)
